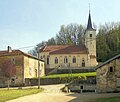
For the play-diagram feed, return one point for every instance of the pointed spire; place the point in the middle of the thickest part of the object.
(89, 25)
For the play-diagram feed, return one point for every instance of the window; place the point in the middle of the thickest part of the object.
(110, 69)
(83, 63)
(90, 35)
(65, 60)
(74, 59)
(56, 60)
(47, 60)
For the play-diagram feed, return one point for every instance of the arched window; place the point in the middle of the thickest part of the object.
(83, 63)
(74, 59)
(56, 60)
(65, 60)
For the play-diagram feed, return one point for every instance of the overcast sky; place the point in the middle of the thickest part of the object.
(28, 22)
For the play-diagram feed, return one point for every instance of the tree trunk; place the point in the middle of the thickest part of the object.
(8, 84)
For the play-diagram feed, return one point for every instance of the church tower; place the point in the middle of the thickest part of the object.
(90, 38)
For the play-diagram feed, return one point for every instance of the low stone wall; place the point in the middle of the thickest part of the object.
(83, 88)
(43, 81)
(50, 81)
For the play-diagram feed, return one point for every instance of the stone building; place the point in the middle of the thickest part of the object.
(108, 75)
(72, 56)
(25, 64)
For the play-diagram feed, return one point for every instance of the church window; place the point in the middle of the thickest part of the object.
(47, 60)
(65, 60)
(56, 60)
(74, 59)
(83, 63)
(90, 35)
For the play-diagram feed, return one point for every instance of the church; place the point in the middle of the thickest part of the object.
(72, 56)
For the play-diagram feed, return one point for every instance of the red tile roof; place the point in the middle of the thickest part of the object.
(65, 49)
(16, 52)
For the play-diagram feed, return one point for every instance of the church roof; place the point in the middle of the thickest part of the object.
(65, 49)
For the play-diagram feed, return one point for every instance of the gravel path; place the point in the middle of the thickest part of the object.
(52, 93)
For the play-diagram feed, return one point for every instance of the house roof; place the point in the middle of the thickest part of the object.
(65, 49)
(113, 58)
(16, 52)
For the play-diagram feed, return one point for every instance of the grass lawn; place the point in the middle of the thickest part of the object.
(72, 75)
(110, 99)
(6, 94)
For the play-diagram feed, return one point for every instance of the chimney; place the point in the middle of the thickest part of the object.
(9, 49)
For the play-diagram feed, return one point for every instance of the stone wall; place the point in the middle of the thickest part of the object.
(43, 81)
(107, 80)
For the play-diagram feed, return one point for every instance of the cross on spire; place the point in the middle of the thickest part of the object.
(89, 24)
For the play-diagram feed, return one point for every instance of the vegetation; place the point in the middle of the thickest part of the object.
(107, 39)
(110, 99)
(79, 75)
(6, 95)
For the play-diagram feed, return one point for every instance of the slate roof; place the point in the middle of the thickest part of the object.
(89, 24)
(65, 49)
(113, 58)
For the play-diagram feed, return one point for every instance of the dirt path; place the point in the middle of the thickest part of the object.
(52, 93)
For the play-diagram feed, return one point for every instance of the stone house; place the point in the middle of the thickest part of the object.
(108, 75)
(72, 56)
(26, 66)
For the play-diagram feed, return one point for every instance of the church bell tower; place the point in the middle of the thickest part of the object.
(90, 37)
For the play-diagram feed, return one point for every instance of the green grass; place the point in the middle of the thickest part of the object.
(6, 94)
(110, 99)
(73, 75)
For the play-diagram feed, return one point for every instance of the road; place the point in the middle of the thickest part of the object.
(52, 93)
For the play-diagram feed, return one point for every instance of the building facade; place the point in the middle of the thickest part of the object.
(108, 75)
(72, 56)
(26, 66)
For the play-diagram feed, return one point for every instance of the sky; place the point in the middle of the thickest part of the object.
(28, 22)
